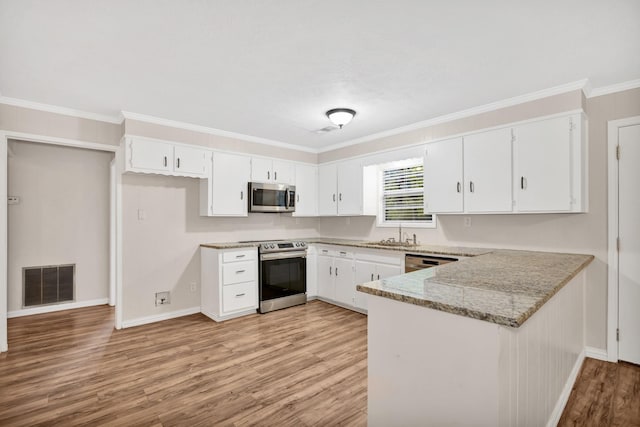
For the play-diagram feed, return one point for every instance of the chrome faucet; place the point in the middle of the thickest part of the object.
(400, 233)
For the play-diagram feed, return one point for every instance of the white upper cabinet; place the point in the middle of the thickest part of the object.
(225, 192)
(152, 156)
(327, 189)
(306, 190)
(487, 171)
(268, 170)
(350, 188)
(443, 178)
(346, 188)
(548, 162)
(538, 166)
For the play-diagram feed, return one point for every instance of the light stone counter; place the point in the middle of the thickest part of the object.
(504, 287)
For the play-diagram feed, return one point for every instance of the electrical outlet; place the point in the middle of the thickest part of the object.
(142, 215)
(163, 298)
(467, 221)
(193, 286)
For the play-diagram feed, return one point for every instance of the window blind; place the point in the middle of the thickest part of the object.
(403, 194)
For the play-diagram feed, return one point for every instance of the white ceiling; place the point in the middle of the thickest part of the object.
(271, 69)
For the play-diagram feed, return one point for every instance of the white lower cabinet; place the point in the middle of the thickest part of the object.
(340, 271)
(374, 266)
(229, 282)
(335, 274)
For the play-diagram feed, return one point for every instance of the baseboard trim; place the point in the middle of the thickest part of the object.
(566, 391)
(339, 304)
(597, 353)
(217, 318)
(57, 307)
(159, 317)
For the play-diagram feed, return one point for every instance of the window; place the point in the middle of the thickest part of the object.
(402, 195)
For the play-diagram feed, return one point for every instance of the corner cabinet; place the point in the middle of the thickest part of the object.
(145, 155)
(229, 282)
(306, 190)
(225, 191)
(346, 188)
(534, 167)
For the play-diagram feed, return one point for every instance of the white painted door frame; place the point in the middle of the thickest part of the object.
(115, 192)
(612, 292)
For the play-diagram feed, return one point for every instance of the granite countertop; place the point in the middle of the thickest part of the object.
(425, 249)
(504, 287)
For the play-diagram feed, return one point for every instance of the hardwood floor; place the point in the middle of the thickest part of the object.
(605, 394)
(303, 366)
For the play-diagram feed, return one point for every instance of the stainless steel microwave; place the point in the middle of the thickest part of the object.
(265, 197)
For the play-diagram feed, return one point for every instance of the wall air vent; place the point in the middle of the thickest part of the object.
(49, 284)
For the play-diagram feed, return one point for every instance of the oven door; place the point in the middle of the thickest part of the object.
(283, 274)
(270, 197)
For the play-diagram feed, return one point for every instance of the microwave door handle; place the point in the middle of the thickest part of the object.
(286, 198)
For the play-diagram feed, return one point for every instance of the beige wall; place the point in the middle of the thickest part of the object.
(581, 233)
(25, 120)
(151, 130)
(62, 217)
(161, 253)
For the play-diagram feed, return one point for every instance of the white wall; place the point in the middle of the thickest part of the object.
(62, 217)
(161, 252)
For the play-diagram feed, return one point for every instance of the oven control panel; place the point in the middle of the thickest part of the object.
(282, 246)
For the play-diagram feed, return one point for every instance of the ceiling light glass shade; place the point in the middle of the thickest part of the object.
(341, 116)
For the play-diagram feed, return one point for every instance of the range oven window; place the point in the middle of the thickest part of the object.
(282, 277)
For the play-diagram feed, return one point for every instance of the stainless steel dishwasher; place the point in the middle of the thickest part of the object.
(413, 262)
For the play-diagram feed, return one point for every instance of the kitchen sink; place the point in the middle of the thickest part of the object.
(393, 243)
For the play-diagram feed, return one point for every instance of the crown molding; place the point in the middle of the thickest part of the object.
(618, 87)
(212, 131)
(16, 102)
(521, 99)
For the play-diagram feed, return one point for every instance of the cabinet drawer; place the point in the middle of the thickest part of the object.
(239, 296)
(237, 272)
(243, 255)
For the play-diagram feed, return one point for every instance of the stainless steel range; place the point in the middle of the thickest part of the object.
(283, 274)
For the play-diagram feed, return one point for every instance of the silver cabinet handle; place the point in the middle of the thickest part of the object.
(334, 197)
(178, 163)
(240, 295)
(275, 176)
(240, 271)
(242, 195)
(378, 277)
(340, 198)
(330, 270)
(268, 175)
(471, 186)
(298, 198)
(458, 186)
(522, 182)
(240, 256)
(372, 277)
(165, 161)
(336, 271)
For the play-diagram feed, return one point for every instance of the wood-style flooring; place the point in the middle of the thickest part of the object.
(303, 366)
(605, 394)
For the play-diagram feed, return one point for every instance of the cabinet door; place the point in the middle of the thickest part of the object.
(283, 172)
(261, 170)
(326, 283)
(150, 156)
(487, 171)
(385, 270)
(190, 161)
(542, 178)
(327, 186)
(345, 287)
(365, 272)
(306, 190)
(443, 178)
(350, 188)
(230, 176)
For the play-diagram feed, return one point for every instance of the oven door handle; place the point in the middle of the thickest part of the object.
(283, 255)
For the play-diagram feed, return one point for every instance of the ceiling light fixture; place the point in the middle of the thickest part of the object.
(341, 116)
